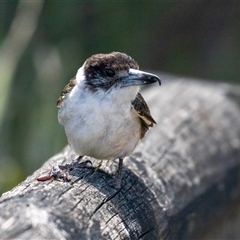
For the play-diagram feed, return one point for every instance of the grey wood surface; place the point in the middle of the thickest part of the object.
(182, 182)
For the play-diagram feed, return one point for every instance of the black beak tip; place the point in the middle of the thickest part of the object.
(157, 79)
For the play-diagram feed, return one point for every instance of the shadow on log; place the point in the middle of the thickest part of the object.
(182, 182)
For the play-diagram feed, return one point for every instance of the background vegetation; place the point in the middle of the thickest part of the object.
(44, 43)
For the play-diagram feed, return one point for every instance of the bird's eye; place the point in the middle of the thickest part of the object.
(110, 72)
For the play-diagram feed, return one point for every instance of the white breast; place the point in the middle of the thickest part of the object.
(101, 124)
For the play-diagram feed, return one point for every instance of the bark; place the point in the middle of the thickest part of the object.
(182, 182)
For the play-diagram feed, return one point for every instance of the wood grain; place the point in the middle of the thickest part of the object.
(182, 182)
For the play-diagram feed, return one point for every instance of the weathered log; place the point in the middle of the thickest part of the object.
(182, 182)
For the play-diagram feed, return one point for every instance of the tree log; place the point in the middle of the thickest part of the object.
(181, 182)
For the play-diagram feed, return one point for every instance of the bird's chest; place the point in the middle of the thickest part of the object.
(96, 126)
(106, 119)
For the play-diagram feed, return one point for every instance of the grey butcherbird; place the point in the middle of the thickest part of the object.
(102, 111)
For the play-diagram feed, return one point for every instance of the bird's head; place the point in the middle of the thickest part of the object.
(113, 71)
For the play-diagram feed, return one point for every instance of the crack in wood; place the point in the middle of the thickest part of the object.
(103, 202)
(145, 233)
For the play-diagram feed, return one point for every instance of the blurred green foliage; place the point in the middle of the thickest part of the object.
(188, 38)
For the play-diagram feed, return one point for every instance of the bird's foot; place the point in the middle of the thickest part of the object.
(98, 166)
(75, 164)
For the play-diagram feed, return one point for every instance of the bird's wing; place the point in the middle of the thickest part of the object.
(67, 89)
(140, 108)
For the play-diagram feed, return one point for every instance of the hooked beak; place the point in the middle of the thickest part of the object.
(137, 77)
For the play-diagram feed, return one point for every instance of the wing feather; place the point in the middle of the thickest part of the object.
(140, 108)
(67, 89)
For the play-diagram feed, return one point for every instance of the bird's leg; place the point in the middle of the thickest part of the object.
(119, 173)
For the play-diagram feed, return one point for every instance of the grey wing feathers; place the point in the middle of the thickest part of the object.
(67, 89)
(140, 108)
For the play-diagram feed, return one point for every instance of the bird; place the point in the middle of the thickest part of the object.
(102, 111)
